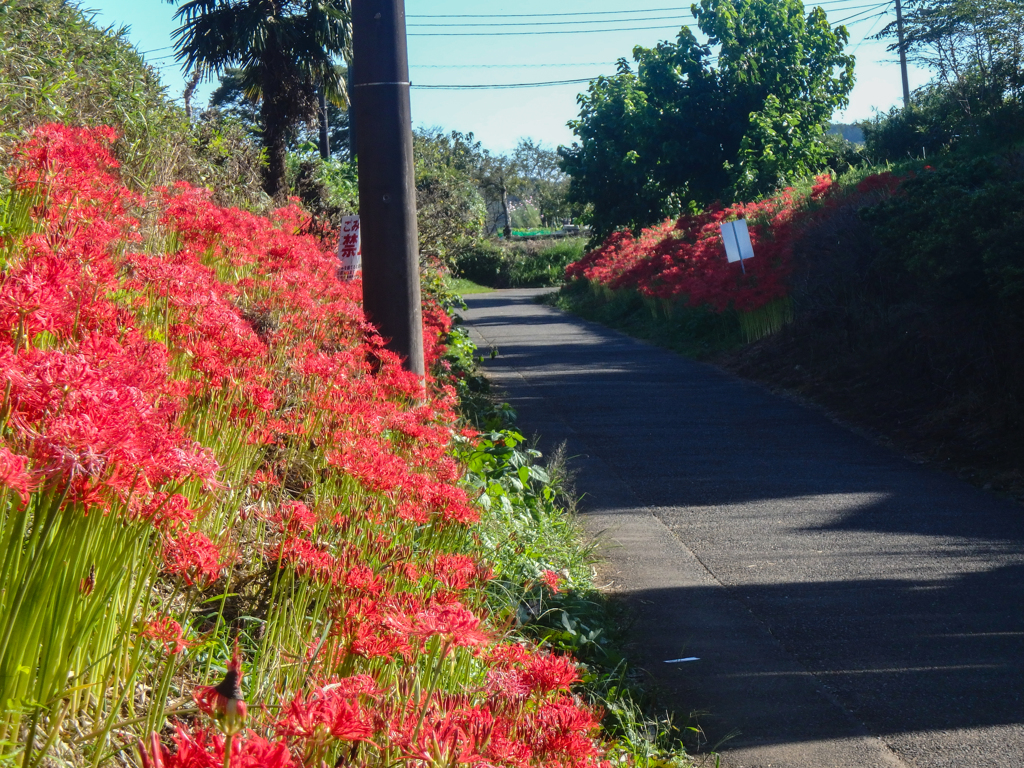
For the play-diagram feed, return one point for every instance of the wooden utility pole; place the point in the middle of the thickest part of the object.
(387, 192)
(903, 54)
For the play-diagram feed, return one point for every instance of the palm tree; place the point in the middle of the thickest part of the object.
(285, 51)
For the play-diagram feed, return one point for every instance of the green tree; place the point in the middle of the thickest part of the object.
(546, 184)
(230, 99)
(500, 177)
(449, 203)
(285, 51)
(974, 47)
(682, 130)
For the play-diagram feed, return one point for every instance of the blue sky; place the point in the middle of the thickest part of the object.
(568, 49)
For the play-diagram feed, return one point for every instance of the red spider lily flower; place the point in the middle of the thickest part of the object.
(206, 750)
(294, 516)
(552, 581)
(454, 622)
(14, 474)
(167, 631)
(546, 673)
(157, 756)
(223, 702)
(193, 557)
(168, 511)
(325, 713)
(88, 584)
(457, 571)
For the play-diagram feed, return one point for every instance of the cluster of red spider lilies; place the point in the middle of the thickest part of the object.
(685, 261)
(233, 530)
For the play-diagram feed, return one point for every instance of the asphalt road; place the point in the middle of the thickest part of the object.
(848, 607)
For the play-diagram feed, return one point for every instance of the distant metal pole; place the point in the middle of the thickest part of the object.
(387, 192)
(903, 55)
(325, 136)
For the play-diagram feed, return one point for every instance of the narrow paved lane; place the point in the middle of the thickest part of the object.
(848, 607)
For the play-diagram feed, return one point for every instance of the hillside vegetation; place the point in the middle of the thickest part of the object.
(56, 65)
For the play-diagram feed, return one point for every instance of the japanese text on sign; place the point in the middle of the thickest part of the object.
(350, 249)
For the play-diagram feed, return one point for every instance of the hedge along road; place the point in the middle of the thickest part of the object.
(848, 607)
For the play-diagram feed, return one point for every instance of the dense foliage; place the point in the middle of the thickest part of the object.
(284, 55)
(55, 64)
(229, 97)
(520, 264)
(953, 237)
(682, 130)
(974, 49)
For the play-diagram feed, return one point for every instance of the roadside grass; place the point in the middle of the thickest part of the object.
(694, 332)
(520, 264)
(547, 266)
(466, 287)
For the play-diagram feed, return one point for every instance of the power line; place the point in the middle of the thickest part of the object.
(869, 8)
(552, 32)
(865, 14)
(504, 86)
(541, 15)
(581, 13)
(872, 27)
(510, 23)
(546, 23)
(514, 66)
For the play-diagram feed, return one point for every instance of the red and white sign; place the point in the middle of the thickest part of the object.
(350, 250)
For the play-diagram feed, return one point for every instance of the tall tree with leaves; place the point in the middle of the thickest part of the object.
(230, 99)
(285, 51)
(974, 47)
(682, 130)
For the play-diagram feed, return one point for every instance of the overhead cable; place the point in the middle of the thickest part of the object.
(503, 86)
(548, 23)
(552, 32)
(515, 66)
(583, 13)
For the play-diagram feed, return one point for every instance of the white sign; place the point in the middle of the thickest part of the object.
(736, 237)
(350, 249)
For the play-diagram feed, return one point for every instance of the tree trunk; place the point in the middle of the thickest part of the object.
(325, 140)
(275, 141)
(504, 208)
(190, 89)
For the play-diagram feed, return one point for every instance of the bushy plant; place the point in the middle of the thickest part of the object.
(519, 263)
(951, 235)
(55, 64)
(542, 263)
(328, 189)
(487, 263)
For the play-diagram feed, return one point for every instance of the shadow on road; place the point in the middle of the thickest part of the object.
(902, 656)
(895, 590)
